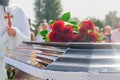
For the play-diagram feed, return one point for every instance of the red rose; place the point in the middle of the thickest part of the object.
(65, 35)
(58, 25)
(53, 36)
(92, 37)
(59, 39)
(88, 24)
(67, 30)
(83, 31)
(66, 38)
(79, 38)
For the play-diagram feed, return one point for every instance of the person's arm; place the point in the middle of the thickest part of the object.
(11, 31)
(3, 39)
(112, 37)
(21, 26)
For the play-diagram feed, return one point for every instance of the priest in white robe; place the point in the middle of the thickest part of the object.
(11, 35)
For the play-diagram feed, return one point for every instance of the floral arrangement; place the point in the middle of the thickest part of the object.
(65, 30)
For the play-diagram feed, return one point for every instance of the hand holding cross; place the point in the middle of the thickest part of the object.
(11, 31)
(8, 17)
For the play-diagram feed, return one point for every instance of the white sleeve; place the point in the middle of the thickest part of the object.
(3, 39)
(21, 25)
(112, 36)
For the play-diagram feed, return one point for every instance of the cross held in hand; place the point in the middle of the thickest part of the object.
(8, 16)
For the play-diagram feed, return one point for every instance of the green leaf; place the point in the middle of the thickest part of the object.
(80, 24)
(73, 22)
(47, 38)
(75, 27)
(99, 36)
(66, 17)
(43, 33)
(69, 24)
(51, 22)
(90, 31)
(100, 39)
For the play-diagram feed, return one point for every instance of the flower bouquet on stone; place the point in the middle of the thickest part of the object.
(66, 30)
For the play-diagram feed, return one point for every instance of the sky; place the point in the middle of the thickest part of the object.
(78, 8)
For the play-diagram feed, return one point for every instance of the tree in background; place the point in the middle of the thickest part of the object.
(97, 22)
(111, 19)
(39, 11)
(46, 10)
(53, 9)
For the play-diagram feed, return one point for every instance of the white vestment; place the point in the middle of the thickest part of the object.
(20, 24)
(115, 36)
